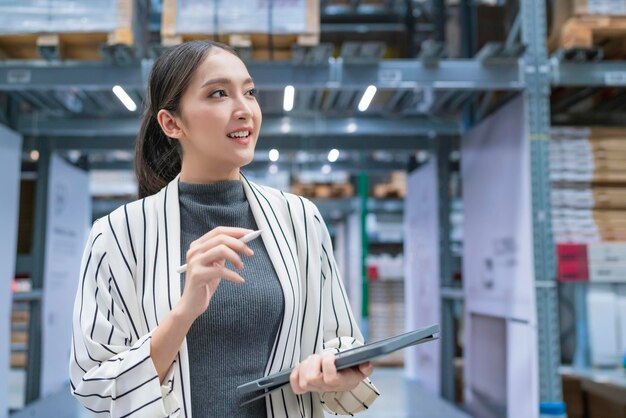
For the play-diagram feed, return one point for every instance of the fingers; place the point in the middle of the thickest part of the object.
(366, 369)
(221, 230)
(217, 249)
(329, 371)
(206, 274)
(307, 376)
(215, 254)
(319, 374)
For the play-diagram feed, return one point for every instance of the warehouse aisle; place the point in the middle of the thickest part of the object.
(404, 399)
(400, 399)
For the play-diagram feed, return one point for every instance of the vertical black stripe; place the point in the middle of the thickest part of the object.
(110, 310)
(117, 288)
(110, 335)
(119, 246)
(345, 302)
(143, 288)
(288, 275)
(319, 316)
(282, 393)
(332, 296)
(130, 239)
(156, 258)
(296, 301)
(95, 312)
(75, 357)
(306, 274)
(182, 384)
(82, 290)
(272, 405)
(80, 317)
(167, 250)
(299, 274)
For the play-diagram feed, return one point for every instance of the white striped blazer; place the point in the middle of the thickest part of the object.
(128, 283)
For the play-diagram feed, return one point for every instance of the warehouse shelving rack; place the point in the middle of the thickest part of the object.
(533, 74)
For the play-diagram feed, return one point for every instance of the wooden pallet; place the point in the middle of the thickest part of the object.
(588, 32)
(389, 191)
(323, 190)
(70, 45)
(251, 46)
(19, 360)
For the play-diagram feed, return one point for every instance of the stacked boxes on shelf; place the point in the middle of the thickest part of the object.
(393, 187)
(588, 171)
(66, 29)
(385, 267)
(386, 315)
(322, 186)
(589, 24)
(244, 24)
(35, 16)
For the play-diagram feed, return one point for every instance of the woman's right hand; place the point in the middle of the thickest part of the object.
(206, 267)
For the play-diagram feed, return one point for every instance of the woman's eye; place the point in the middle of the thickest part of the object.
(218, 93)
(251, 92)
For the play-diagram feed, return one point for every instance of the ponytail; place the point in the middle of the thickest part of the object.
(158, 159)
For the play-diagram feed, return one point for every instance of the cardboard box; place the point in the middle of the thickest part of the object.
(573, 395)
(605, 400)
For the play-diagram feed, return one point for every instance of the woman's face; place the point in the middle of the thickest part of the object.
(220, 117)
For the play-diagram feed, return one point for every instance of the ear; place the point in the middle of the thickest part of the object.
(170, 124)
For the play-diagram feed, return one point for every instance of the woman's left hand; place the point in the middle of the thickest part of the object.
(318, 374)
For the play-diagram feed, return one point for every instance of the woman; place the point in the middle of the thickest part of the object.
(150, 342)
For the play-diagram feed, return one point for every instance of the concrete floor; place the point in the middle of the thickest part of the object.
(399, 399)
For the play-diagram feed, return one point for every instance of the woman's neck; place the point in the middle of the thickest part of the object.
(204, 176)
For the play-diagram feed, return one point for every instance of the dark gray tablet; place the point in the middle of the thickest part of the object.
(348, 358)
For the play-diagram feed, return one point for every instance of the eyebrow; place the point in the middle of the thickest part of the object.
(224, 80)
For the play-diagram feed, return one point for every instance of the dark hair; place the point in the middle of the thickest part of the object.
(157, 157)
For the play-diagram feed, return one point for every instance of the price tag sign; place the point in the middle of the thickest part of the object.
(390, 76)
(615, 78)
(18, 76)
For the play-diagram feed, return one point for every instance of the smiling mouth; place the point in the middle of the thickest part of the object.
(239, 135)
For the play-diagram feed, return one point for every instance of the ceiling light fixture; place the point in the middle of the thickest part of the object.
(290, 93)
(124, 98)
(367, 98)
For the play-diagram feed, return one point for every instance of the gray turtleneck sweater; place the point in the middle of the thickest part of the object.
(231, 342)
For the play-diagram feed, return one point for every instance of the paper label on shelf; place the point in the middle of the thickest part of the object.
(602, 7)
(390, 76)
(608, 252)
(615, 78)
(18, 76)
(607, 272)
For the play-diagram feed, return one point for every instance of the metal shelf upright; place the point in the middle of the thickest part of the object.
(537, 73)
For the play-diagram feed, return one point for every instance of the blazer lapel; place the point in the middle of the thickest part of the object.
(266, 211)
(169, 228)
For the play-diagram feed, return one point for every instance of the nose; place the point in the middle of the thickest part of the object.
(242, 109)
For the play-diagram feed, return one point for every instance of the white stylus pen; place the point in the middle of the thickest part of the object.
(246, 238)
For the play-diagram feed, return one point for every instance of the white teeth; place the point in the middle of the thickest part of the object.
(241, 134)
